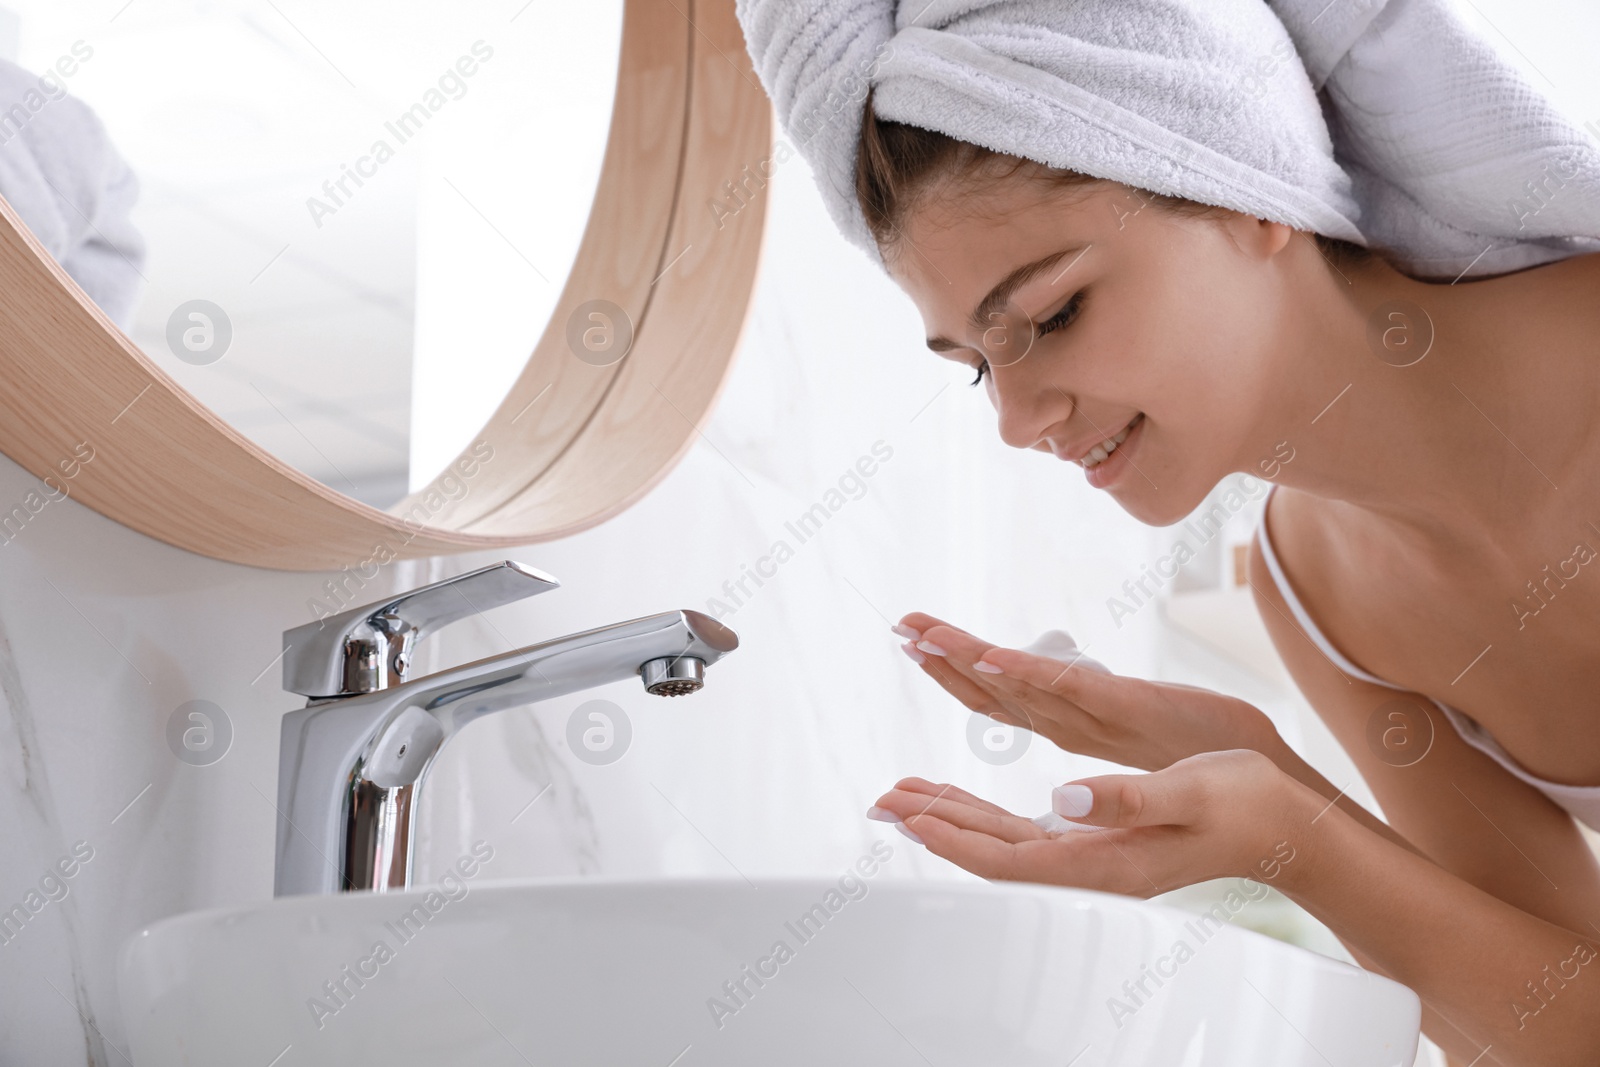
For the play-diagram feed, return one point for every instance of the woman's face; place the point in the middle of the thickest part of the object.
(1127, 316)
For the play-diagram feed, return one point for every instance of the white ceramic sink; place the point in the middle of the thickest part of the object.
(886, 973)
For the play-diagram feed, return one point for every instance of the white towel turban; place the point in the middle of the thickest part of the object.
(1385, 122)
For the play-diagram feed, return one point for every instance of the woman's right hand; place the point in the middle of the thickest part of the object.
(1130, 721)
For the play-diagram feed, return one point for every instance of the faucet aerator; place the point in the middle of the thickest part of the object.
(673, 676)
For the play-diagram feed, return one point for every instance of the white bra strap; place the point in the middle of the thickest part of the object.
(1311, 628)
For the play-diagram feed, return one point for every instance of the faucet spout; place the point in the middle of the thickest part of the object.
(351, 768)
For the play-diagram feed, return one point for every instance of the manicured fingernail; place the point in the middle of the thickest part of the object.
(882, 814)
(911, 650)
(905, 631)
(902, 828)
(987, 667)
(930, 648)
(1071, 801)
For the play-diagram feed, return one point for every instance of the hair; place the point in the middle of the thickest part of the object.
(896, 163)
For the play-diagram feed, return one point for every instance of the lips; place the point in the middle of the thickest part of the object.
(1080, 452)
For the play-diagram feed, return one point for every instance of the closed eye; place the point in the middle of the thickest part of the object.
(1064, 317)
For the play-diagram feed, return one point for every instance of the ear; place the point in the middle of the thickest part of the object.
(1259, 237)
(1275, 235)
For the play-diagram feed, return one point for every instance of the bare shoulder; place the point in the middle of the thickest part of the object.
(1303, 542)
(1304, 524)
(1433, 787)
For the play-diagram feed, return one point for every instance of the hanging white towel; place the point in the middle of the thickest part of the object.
(61, 173)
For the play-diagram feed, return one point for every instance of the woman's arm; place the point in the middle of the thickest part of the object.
(1449, 800)
(1440, 804)
(1294, 765)
(1513, 989)
(1433, 1024)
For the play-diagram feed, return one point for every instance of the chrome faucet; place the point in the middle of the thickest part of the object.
(353, 760)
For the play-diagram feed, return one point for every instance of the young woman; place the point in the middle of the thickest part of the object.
(1424, 568)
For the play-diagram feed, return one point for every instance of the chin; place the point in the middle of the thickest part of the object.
(1160, 507)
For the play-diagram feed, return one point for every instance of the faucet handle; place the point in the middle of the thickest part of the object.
(369, 648)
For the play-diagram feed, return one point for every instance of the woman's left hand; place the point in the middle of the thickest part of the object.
(1211, 815)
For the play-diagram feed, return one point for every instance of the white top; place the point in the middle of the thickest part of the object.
(1582, 802)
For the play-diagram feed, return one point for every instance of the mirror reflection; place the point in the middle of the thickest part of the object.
(341, 226)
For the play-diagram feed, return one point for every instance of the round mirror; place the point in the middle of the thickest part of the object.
(364, 283)
(356, 217)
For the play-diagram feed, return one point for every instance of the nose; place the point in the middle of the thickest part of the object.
(1028, 409)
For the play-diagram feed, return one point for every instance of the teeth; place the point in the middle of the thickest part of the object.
(1102, 451)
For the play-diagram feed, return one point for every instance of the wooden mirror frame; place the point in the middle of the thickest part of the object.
(673, 238)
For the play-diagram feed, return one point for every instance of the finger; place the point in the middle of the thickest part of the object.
(1071, 680)
(1089, 861)
(948, 656)
(920, 622)
(981, 817)
(1086, 699)
(960, 685)
(1004, 825)
(932, 789)
(952, 642)
(1174, 796)
(983, 854)
(958, 651)
(1033, 706)
(948, 653)
(962, 651)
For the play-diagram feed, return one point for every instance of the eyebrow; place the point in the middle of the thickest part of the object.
(1001, 293)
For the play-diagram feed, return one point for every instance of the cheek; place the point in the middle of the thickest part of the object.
(1226, 314)
(1199, 353)
(1142, 360)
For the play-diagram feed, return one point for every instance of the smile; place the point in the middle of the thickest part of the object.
(1102, 451)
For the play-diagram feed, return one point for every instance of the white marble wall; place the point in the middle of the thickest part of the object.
(104, 633)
